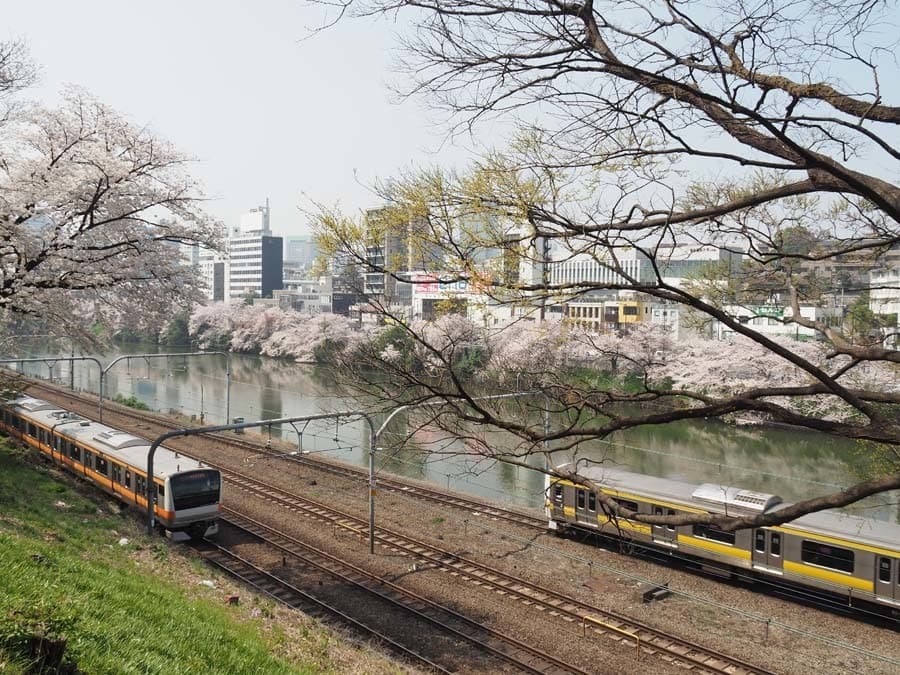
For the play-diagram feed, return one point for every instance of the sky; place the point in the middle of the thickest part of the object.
(267, 109)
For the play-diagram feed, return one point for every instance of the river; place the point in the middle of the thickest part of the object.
(793, 464)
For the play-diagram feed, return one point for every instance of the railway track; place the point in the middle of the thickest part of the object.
(490, 642)
(601, 622)
(588, 618)
(472, 506)
(268, 584)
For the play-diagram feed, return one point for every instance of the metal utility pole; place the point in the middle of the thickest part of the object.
(227, 355)
(51, 361)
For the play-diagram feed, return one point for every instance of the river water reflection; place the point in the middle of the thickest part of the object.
(792, 464)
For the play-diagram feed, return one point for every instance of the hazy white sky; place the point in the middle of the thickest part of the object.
(267, 113)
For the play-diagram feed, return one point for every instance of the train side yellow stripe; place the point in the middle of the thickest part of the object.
(714, 546)
(634, 527)
(837, 578)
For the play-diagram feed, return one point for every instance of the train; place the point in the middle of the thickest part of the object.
(843, 556)
(188, 494)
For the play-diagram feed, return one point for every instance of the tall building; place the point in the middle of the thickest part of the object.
(213, 269)
(300, 251)
(255, 256)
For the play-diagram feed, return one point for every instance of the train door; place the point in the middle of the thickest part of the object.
(767, 550)
(667, 535)
(887, 578)
(586, 507)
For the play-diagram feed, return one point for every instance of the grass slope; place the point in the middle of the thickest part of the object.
(121, 607)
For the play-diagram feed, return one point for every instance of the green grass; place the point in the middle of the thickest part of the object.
(64, 573)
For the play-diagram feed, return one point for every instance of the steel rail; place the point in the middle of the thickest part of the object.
(289, 595)
(678, 650)
(510, 649)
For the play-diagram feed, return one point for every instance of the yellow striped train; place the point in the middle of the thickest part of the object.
(855, 558)
(187, 493)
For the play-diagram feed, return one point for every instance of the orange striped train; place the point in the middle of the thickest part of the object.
(857, 559)
(187, 493)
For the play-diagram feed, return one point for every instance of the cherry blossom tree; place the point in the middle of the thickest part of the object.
(764, 130)
(93, 210)
(270, 331)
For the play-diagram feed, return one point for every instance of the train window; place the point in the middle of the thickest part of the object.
(627, 504)
(657, 511)
(140, 484)
(884, 570)
(160, 490)
(101, 465)
(714, 533)
(826, 555)
(558, 494)
(117, 473)
(759, 541)
(775, 544)
(581, 499)
(671, 528)
(74, 452)
(127, 477)
(592, 501)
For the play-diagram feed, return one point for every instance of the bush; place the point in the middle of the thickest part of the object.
(131, 402)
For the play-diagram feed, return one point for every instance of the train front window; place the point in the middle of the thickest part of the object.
(195, 488)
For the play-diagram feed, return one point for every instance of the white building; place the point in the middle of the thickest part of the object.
(255, 258)
(307, 296)
(771, 320)
(300, 252)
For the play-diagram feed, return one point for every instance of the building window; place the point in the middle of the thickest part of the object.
(630, 311)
